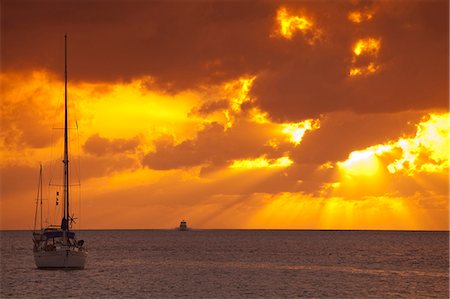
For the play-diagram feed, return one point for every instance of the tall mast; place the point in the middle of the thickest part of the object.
(37, 202)
(38, 198)
(65, 224)
(40, 188)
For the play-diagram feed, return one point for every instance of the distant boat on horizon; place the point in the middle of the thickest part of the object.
(183, 226)
(56, 246)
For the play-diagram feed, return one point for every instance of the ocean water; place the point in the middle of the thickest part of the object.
(236, 263)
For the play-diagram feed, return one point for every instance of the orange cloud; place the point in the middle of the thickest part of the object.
(97, 145)
(232, 94)
(32, 106)
(178, 145)
(24, 121)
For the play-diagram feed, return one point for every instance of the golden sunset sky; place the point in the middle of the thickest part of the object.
(232, 114)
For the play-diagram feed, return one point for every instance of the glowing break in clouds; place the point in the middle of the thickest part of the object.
(289, 24)
(368, 46)
(99, 109)
(364, 162)
(358, 17)
(261, 162)
(236, 92)
(369, 69)
(296, 131)
(428, 151)
(240, 90)
(365, 48)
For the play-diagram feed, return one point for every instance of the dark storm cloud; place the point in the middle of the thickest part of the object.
(181, 44)
(413, 61)
(184, 45)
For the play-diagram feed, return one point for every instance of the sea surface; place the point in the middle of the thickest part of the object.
(236, 263)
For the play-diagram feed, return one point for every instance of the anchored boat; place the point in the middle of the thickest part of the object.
(56, 246)
(183, 226)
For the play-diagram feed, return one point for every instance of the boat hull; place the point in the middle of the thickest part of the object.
(60, 259)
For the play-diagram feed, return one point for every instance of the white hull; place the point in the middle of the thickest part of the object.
(60, 258)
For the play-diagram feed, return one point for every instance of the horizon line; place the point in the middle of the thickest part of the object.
(245, 229)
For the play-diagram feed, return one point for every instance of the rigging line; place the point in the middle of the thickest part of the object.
(63, 128)
(49, 215)
(59, 185)
(79, 155)
(79, 209)
(79, 175)
(40, 187)
(47, 206)
(55, 214)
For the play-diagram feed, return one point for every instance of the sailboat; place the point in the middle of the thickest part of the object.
(56, 246)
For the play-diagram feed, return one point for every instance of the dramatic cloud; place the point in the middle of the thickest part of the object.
(180, 45)
(342, 132)
(185, 45)
(427, 151)
(214, 146)
(27, 111)
(99, 146)
(307, 114)
(397, 61)
(212, 106)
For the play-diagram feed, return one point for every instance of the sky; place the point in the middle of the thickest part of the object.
(228, 114)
